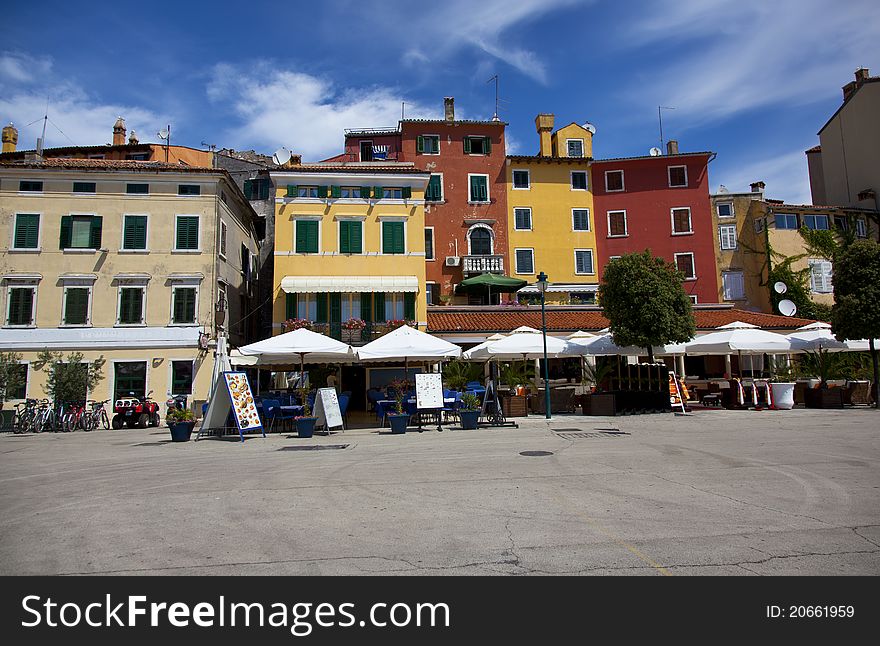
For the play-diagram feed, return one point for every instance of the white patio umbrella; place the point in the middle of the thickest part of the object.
(528, 343)
(818, 336)
(479, 352)
(740, 338)
(604, 346)
(407, 343)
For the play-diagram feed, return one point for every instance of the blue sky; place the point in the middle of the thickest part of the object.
(750, 80)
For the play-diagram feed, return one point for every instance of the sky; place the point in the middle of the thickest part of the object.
(752, 80)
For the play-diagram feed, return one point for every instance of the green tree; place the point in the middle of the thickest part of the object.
(71, 378)
(11, 377)
(856, 311)
(797, 282)
(644, 300)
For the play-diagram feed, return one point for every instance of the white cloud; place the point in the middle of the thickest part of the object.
(785, 175)
(736, 55)
(17, 67)
(306, 113)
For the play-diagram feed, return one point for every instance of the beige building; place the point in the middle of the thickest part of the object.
(730, 218)
(845, 166)
(127, 260)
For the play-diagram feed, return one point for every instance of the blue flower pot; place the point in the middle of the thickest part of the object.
(305, 426)
(181, 431)
(469, 419)
(398, 422)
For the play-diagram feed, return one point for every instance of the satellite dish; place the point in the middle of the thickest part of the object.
(655, 152)
(787, 307)
(162, 134)
(780, 287)
(281, 156)
(723, 189)
(589, 126)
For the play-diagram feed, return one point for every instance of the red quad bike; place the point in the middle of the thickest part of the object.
(131, 411)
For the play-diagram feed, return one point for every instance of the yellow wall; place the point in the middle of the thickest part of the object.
(329, 261)
(571, 131)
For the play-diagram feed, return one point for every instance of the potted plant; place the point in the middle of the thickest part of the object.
(597, 401)
(295, 324)
(181, 422)
(782, 388)
(398, 419)
(469, 411)
(352, 329)
(305, 423)
(824, 365)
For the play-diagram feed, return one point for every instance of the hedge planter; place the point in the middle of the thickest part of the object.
(600, 404)
(823, 397)
(181, 431)
(398, 423)
(305, 426)
(469, 419)
(783, 395)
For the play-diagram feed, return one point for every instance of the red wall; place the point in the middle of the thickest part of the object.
(648, 200)
(353, 147)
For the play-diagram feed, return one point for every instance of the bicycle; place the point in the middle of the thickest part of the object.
(76, 417)
(98, 414)
(45, 418)
(24, 416)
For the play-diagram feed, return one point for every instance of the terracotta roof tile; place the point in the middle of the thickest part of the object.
(108, 164)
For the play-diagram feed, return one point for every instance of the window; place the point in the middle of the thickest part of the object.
(399, 306)
(861, 228)
(189, 189)
(522, 219)
(245, 256)
(181, 377)
(477, 145)
(693, 298)
(434, 190)
(367, 150)
(580, 219)
(613, 180)
(258, 189)
(27, 231)
(350, 192)
(391, 193)
(84, 187)
(521, 179)
(583, 261)
(187, 235)
(732, 285)
(759, 225)
(684, 262)
(81, 231)
(131, 306)
(307, 191)
(76, 305)
(20, 305)
(129, 379)
(21, 391)
(393, 238)
(134, 232)
(428, 144)
(820, 277)
(480, 241)
(617, 224)
(183, 305)
(432, 293)
(306, 236)
(678, 176)
(137, 156)
(303, 306)
(816, 222)
(725, 210)
(351, 235)
(479, 188)
(30, 186)
(579, 180)
(222, 239)
(351, 306)
(137, 189)
(681, 221)
(727, 233)
(429, 243)
(786, 221)
(525, 261)
(575, 147)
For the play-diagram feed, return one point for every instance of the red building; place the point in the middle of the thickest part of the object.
(466, 202)
(662, 204)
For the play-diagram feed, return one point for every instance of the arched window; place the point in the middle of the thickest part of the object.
(480, 241)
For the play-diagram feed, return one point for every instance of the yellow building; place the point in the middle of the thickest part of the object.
(739, 275)
(350, 244)
(126, 260)
(550, 220)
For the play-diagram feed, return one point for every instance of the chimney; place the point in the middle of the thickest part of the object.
(848, 89)
(544, 126)
(10, 138)
(449, 108)
(119, 132)
(132, 139)
(862, 75)
(757, 187)
(672, 147)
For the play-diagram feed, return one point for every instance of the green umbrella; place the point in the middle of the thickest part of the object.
(492, 281)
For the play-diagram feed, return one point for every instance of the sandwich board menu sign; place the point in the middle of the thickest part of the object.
(429, 390)
(236, 396)
(327, 409)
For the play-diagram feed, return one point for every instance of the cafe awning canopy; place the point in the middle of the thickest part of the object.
(322, 284)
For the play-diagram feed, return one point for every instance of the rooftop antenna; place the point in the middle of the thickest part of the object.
(495, 78)
(211, 147)
(660, 118)
(402, 109)
(165, 135)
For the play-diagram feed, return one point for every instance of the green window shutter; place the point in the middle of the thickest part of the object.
(290, 306)
(306, 236)
(135, 234)
(27, 231)
(335, 191)
(312, 237)
(474, 194)
(409, 306)
(131, 306)
(321, 301)
(388, 237)
(322, 191)
(365, 192)
(188, 232)
(367, 306)
(434, 190)
(66, 231)
(335, 307)
(76, 309)
(300, 227)
(345, 236)
(420, 144)
(291, 190)
(264, 189)
(478, 189)
(487, 145)
(379, 307)
(467, 146)
(399, 242)
(249, 189)
(406, 192)
(95, 232)
(356, 232)
(21, 305)
(378, 192)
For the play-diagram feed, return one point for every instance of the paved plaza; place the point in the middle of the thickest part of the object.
(715, 492)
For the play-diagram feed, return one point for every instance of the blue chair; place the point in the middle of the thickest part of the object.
(343, 407)
(476, 387)
(274, 413)
(374, 395)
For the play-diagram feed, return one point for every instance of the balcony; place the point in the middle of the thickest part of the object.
(353, 337)
(484, 264)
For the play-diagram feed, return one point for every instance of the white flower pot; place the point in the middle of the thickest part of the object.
(783, 395)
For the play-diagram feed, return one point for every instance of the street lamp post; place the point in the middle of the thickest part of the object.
(542, 286)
